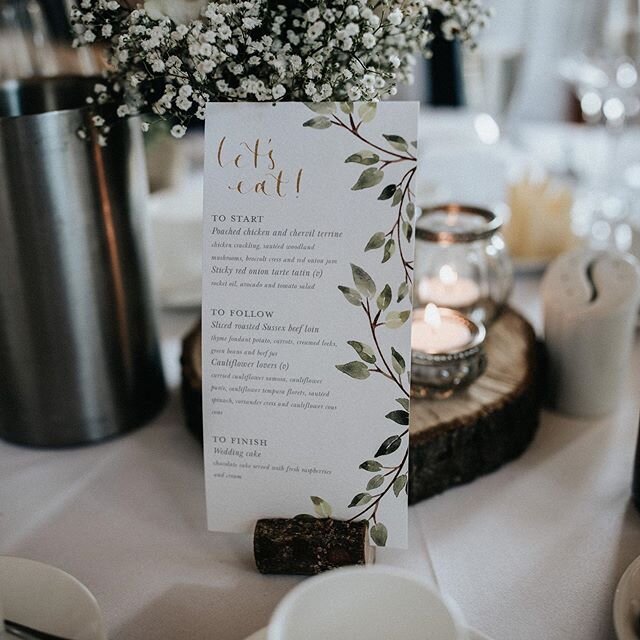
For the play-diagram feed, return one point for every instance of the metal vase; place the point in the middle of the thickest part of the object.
(79, 356)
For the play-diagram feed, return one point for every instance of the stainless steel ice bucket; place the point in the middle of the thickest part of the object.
(79, 358)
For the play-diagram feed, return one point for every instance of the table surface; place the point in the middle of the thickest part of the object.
(531, 551)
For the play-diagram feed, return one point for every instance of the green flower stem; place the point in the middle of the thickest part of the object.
(373, 325)
(407, 265)
(406, 191)
(384, 373)
(378, 497)
(354, 130)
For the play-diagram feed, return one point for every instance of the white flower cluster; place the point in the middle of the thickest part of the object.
(171, 58)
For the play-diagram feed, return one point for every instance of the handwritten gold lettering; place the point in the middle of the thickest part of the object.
(260, 156)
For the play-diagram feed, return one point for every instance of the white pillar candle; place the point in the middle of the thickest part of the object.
(591, 304)
(438, 333)
(448, 289)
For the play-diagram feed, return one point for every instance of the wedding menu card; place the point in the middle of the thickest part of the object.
(307, 279)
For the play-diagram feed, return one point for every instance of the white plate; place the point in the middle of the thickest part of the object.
(472, 635)
(626, 603)
(48, 599)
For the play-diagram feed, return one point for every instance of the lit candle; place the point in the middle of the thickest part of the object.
(438, 333)
(448, 289)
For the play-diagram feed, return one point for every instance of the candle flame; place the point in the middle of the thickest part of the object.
(448, 275)
(432, 316)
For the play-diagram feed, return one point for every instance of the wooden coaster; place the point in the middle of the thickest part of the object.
(453, 441)
(474, 432)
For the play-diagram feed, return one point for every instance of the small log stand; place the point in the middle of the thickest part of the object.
(452, 442)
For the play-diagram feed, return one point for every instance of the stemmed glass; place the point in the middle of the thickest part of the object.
(602, 65)
(493, 67)
(26, 48)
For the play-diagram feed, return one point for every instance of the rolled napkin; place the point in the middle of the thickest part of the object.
(591, 300)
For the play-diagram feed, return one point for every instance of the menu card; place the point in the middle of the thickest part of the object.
(307, 280)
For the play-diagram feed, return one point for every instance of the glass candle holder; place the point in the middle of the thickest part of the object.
(447, 352)
(462, 261)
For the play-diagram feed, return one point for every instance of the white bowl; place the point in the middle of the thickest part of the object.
(42, 597)
(626, 603)
(366, 603)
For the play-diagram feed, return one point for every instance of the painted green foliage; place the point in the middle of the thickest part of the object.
(375, 302)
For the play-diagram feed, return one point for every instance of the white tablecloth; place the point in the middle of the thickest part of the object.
(530, 552)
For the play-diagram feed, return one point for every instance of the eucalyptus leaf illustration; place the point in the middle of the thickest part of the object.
(376, 241)
(392, 476)
(376, 158)
(364, 157)
(398, 362)
(324, 108)
(373, 466)
(355, 369)
(396, 142)
(414, 144)
(368, 178)
(319, 122)
(389, 250)
(379, 534)
(387, 192)
(367, 111)
(360, 499)
(384, 299)
(399, 416)
(365, 352)
(399, 484)
(363, 281)
(322, 507)
(395, 319)
(390, 445)
(351, 295)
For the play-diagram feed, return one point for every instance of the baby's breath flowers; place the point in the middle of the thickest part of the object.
(171, 57)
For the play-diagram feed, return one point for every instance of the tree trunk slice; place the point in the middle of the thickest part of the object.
(475, 431)
(453, 441)
(191, 362)
(307, 546)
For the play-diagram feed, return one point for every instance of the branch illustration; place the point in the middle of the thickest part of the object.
(377, 158)
(372, 359)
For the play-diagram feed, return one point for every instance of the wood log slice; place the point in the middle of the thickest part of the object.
(475, 431)
(307, 546)
(191, 363)
(453, 441)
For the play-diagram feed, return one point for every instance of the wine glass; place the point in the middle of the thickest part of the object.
(26, 48)
(493, 67)
(602, 65)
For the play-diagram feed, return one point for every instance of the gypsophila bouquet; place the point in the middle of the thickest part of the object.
(171, 57)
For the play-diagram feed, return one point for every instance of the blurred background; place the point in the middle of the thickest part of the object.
(539, 121)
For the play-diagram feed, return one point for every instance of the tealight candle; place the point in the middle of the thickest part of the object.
(448, 289)
(462, 261)
(447, 352)
(438, 333)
